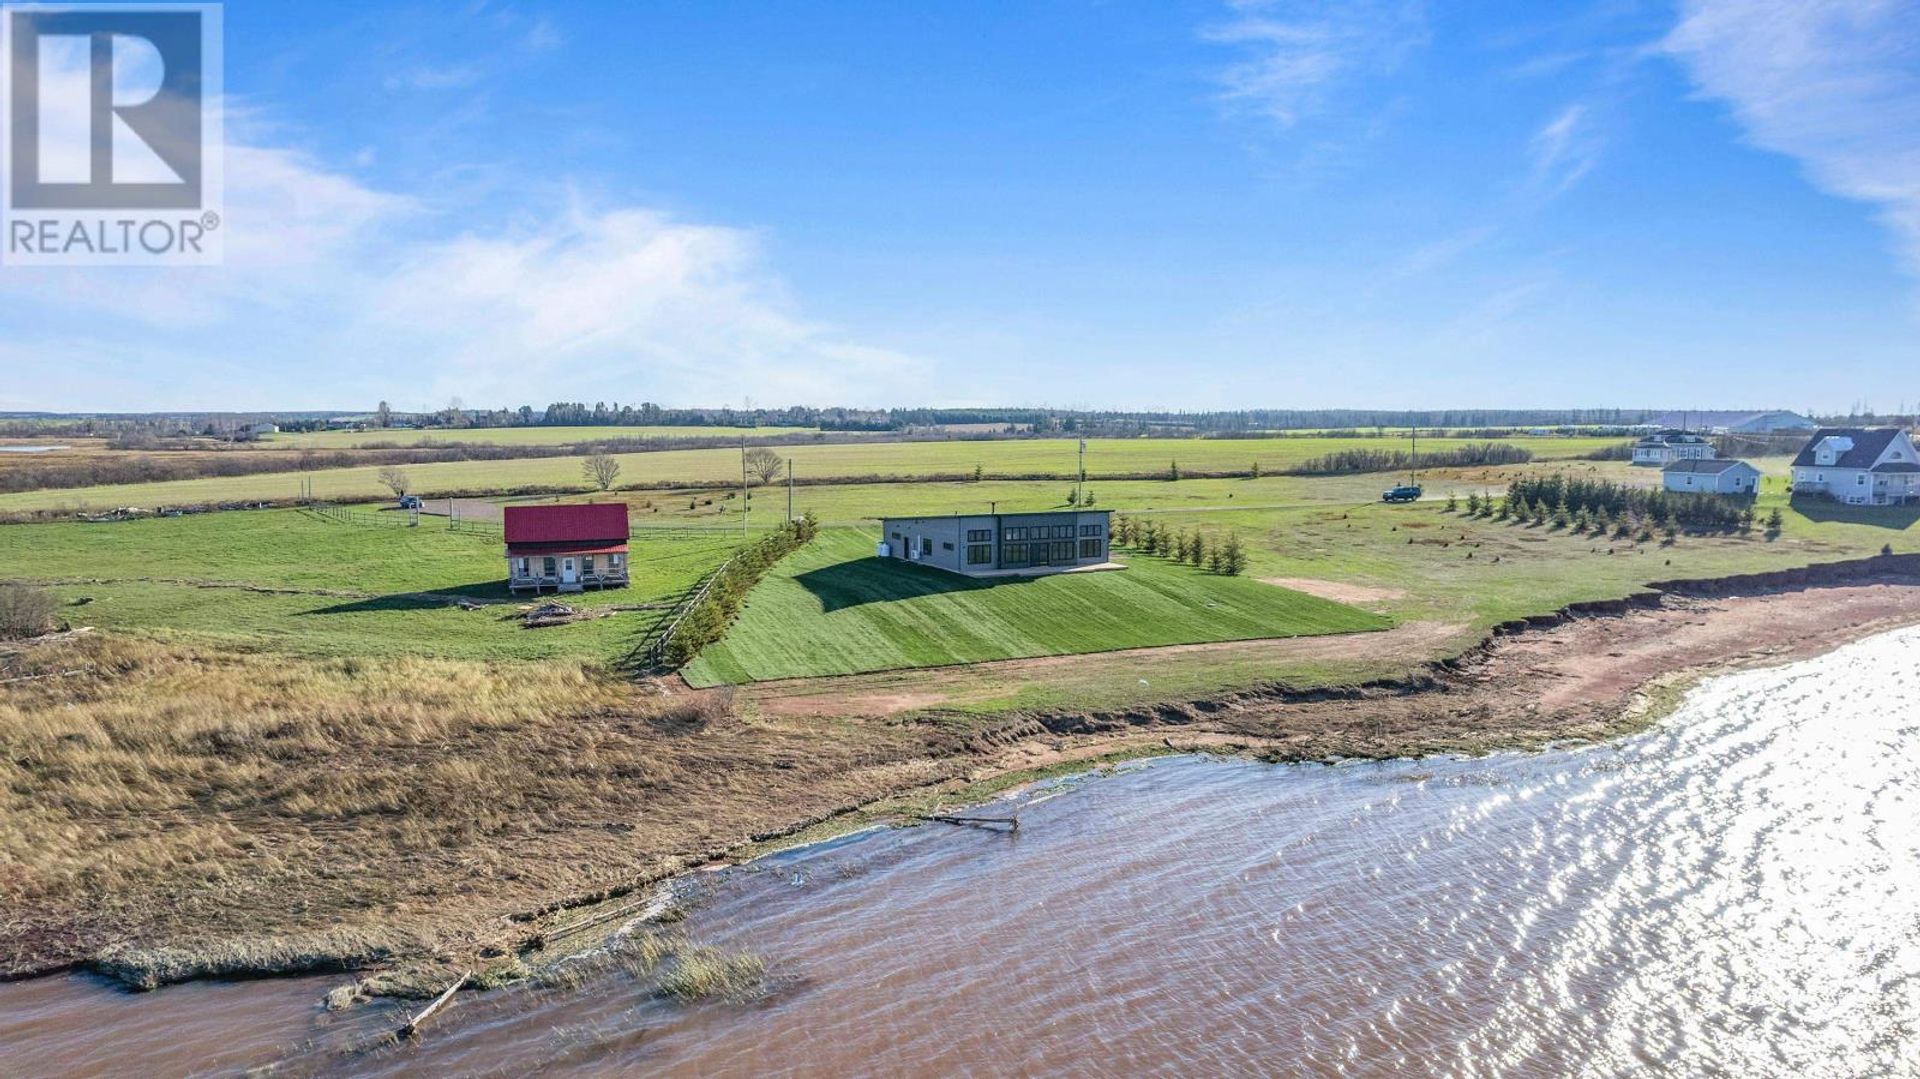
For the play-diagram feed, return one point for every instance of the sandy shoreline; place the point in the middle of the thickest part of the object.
(1585, 678)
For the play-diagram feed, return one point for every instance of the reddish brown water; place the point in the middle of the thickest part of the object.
(1736, 893)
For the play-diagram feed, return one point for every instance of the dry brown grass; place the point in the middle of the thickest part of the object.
(166, 798)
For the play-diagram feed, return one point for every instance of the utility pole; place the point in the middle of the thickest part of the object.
(1080, 489)
(746, 503)
(789, 490)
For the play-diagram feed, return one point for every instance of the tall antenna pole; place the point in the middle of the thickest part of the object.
(1080, 490)
(746, 504)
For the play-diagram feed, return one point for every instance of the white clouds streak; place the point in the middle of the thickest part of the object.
(1296, 51)
(1564, 149)
(1834, 84)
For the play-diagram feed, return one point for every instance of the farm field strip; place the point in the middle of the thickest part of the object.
(696, 467)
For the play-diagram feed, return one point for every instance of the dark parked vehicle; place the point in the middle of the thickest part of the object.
(1405, 492)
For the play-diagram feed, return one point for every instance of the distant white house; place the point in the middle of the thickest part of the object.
(1712, 476)
(1667, 447)
(1861, 466)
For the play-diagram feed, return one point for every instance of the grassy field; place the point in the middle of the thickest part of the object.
(833, 608)
(1450, 577)
(294, 581)
(508, 436)
(716, 466)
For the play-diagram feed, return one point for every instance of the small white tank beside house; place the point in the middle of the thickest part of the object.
(1861, 466)
(1713, 476)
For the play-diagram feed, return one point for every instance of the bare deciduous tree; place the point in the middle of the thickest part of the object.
(25, 611)
(765, 464)
(601, 469)
(395, 480)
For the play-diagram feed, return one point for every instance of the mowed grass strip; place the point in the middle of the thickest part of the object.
(833, 608)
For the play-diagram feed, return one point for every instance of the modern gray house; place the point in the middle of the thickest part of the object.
(999, 544)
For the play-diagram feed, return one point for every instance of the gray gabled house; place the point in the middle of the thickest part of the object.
(1872, 466)
(999, 544)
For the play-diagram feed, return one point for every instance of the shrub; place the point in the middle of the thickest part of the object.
(25, 611)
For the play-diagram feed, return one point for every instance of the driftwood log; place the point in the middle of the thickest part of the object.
(1012, 824)
(412, 1026)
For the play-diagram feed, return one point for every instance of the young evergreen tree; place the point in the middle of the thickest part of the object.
(1233, 556)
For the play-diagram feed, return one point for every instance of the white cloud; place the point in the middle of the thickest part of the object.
(1564, 149)
(428, 77)
(589, 302)
(544, 36)
(1834, 84)
(334, 291)
(1297, 50)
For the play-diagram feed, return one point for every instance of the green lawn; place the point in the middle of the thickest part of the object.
(833, 608)
(718, 466)
(291, 580)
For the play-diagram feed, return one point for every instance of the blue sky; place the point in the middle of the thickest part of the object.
(1072, 203)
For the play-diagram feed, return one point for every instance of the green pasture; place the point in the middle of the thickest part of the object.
(293, 580)
(833, 608)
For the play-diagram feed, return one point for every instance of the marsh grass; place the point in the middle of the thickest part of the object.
(700, 972)
(232, 812)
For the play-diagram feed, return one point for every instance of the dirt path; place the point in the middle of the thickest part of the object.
(1338, 591)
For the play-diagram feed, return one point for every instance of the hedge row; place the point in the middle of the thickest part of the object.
(1350, 462)
(709, 619)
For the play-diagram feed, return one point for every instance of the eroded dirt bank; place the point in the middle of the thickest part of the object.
(170, 815)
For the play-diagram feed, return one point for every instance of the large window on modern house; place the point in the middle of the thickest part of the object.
(1016, 535)
(926, 546)
(1089, 530)
(1089, 548)
(979, 535)
(1063, 551)
(1062, 531)
(1016, 553)
(979, 554)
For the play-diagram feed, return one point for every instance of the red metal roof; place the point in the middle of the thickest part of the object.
(601, 522)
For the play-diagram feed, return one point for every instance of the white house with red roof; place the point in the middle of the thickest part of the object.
(1862, 466)
(567, 548)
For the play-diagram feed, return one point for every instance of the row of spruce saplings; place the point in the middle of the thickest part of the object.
(1600, 508)
(1193, 548)
(708, 619)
